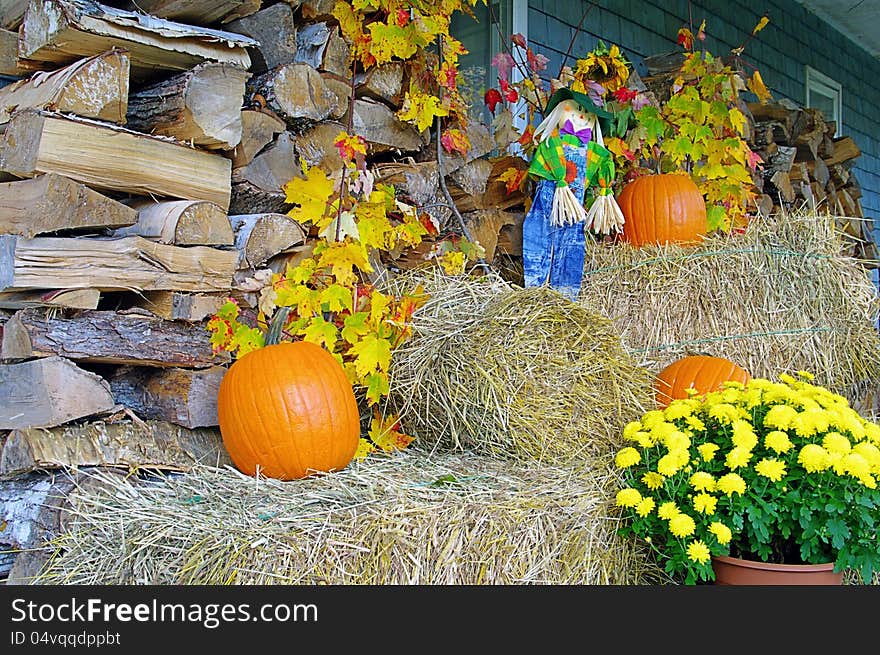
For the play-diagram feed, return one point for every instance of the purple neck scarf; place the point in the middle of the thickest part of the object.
(584, 135)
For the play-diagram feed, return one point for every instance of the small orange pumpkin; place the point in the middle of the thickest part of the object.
(702, 372)
(289, 409)
(659, 209)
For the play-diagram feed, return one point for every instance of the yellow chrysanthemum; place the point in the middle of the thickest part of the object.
(730, 484)
(644, 439)
(724, 412)
(806, 375)
(778, 441)
(780, 417)
(630, 429)
(870, 452)
(694, 423)
(785, 377)
(628, 497)
(645, 506)
(653, 480)
(627, 457)
(707, 451)
(721, 532)
(733, 384)
(813, 458)
(771, 468)
(872, 432)
(698, 552)
(744, 435)
(669, 464)
(705, 503)
(682, 525)
(856, 465)
(678, 409)
(667, 510)
(810, 422)
(835, 462)
(834, 442)
(677, 440)
(661, 430)
(702, 481)
(752, 398)
(652, 418)
(737, 458)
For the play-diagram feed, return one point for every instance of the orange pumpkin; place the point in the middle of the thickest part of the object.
(658, 209)
(702, 372)
(289, 409)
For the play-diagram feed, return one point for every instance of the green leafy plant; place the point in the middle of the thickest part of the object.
(783, 472)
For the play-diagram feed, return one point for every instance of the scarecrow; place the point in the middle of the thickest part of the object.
(570, 159)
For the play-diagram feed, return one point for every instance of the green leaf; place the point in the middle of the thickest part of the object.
(716, 218)
(355, 326)
(337, 297)
(376, 386)
(320, 332)
(372, 353)
(839, 532)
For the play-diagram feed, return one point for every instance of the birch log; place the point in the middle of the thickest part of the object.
(180, 223)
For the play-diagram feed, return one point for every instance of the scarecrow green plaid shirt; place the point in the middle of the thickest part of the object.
(549, 162)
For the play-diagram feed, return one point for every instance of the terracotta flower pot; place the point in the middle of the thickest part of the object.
(735, 571)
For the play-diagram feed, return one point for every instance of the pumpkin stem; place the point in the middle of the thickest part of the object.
(276, 326)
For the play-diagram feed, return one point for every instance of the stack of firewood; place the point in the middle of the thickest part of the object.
(807, 164)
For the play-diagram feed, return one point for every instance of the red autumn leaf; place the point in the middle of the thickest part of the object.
(429, 223)
(492, 98)
(536, 62)
(754, 160)
(455, 141)
(624, 95)
(527, 135)
(402, 17)
(513, 179)
(685, 38)
(519, 40)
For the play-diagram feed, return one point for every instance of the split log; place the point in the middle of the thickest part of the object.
(473, 177)
(196, 12)
(384, 83)
(799, 172)
(62, 31)
(94, 87)
(320, 46)
(67, 298)
(9, 64)
(274, 28)
(112, 264)
(108, 337)
(781, 181)
(764, 204)
(783, 112)
(818, 192)
(184, 397)
(130, 445)
(258, 129)
(31, 507)
(49, 392)
(177, 306)
(767, 132)
(844, 150)
(49, 203)
(341, 90)
(261, 236)
(808, 132)
(495, 195)
(180, 222)
(201, 106)
(316, 146)
(819, 172)
(314, 9)
(782, 161)
(257, 187)
(840, 175)
(382, 130)
(108, 157)
(295, 92)
(485, 226)
(11, 13)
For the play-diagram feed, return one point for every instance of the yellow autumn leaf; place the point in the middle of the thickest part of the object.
(385, 433)
(365, 447)
(320, 332)
(390, 41)
(757, 86)
(420, 109)
(761, 25)
(371, 353)
(379, 304)
(453, 262)
(312, 193)
(342, 258)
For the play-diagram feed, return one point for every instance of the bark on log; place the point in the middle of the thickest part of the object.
(108, 337)
(485, 226)
(320, 46)
(48, 392)
(111, 158)
(177, 306)
(295, 92)
(94, 87)
(181, 396)
(129, 445)
(181, 223)
(62, 31)
(50, 203)
(112, 264)
(196, 12)
(259, 237)
(258, 129)
(275, 29)
(250, 199)
(314, 9)
(201, 106)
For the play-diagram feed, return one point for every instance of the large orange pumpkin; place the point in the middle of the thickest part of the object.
(289, 409)
(658, 209)
(702, 372)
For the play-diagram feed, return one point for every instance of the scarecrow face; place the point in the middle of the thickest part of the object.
(572, 111)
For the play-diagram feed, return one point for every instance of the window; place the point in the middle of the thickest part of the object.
(825, 94)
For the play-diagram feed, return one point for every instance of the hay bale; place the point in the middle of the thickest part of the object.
(402, 519)
(779, 298)
(513, 373)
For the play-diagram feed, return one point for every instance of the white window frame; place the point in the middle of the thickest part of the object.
(820, 84)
